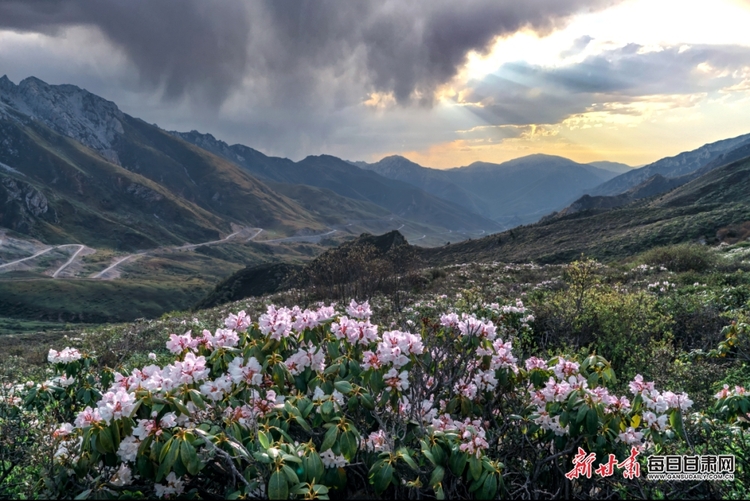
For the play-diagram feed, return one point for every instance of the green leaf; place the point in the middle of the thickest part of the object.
(592, 422)
(367, 401)
(84, 495)
(582, 413)
(438, 453)
(277, 486)
(263, 439)
(475, 467)
(329, 439)
(290, 474)
(376, 382)
(348, 444)
(115, 435)
(382, 477)
(437, 476)
(457, 462)
(181, 407)
(675, 419)
(104, 441)
(327, 408)
(291, 458)
(476, 484)
(407, 458)
(439, 493)
(489, 488)
(314, 468)
(189, 458)
(304, 424)
(343, 386)
(197, 399)
(333, 368)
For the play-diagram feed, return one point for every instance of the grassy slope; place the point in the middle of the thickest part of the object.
(207, 180)
(345, 179)
(692, 212)
(96, 301)
(93, 201)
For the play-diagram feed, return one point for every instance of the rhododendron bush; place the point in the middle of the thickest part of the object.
(316, 403)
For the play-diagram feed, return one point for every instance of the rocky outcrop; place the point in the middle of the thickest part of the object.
(143, 192)
(33, 200)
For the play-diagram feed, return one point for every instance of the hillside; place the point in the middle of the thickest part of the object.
(112, 180)
(671, 167)
(325, 171)
(690, 213)
(514, 192)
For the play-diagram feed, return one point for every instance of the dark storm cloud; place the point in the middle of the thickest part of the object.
(186, 46)
(295, 51)
(520, 93)
(407, 48)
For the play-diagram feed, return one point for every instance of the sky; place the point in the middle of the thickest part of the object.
(440, 82)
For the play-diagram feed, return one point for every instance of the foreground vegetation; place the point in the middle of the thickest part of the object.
(418, 402)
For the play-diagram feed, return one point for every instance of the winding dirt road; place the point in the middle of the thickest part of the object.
(72, 258)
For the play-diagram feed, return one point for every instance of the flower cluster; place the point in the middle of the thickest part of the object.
(726, 392)
(65, 356)
(256, 391)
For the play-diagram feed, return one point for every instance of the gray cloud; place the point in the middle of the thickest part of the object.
(520, 93)
(185, 46)
(291, 50)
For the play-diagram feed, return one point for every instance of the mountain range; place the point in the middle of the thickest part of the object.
(82, 180)
(519, 191)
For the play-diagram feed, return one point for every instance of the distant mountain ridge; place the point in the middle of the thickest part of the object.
(715, 155)
(516, 192)
(692, 212)
(671, 167)
(325, 171)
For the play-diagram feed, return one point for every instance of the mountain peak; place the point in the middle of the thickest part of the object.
(68, 110)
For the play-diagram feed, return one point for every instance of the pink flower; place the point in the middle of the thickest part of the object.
(116, 405)
(359, 310)
(225, 338)
(239, 322)
(535, 363)
(449, 320)
(565, 368)
(88, 417)
(191, 370)
(178, 344)
(63, 431)
(276, 323)
(249, 374)
(65, 356)
(395, 380)
(377, 441)
(631, 437)
(370, 361)
(216, 389)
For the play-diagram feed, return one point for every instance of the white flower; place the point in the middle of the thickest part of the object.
(63, 431)
(128, 449)
(330, 460)
(122, 476)
(174, 486)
